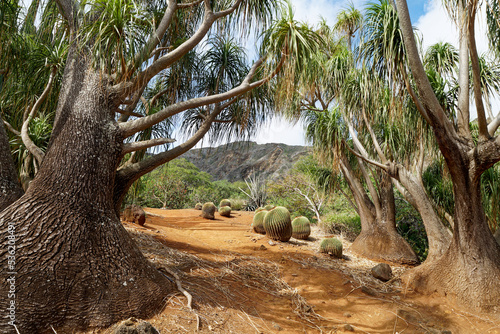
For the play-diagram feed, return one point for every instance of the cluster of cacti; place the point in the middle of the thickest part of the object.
(224, 202)
(278, 224)
(332, 246)
(258, 222)
(225, 211)
(198, 206)
(208, 210)
(301, 228)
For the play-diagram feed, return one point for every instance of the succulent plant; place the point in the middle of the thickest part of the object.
(224, 202)
(332, 246)
(278, 224)
(198, 206)
(301, 228)
(269, 207)
(259, 209)
(225, 211)
(258, 222)
(208, 210)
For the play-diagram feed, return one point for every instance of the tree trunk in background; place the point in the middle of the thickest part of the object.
(379, 239)
(10, 189)
(76, 266)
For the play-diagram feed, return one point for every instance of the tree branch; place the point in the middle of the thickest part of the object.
(11, 128)
(476, 77)
(132, 127)
(30, 145)
(68, 8)
(141, 145)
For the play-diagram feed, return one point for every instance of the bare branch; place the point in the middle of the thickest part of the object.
(30, 145)
(476, 77)
(141, 145)
(366, 159)
(132, 127)
(128, 113)
(493, 126)
(11, 128)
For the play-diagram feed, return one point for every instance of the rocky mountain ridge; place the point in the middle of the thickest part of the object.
(239, 160)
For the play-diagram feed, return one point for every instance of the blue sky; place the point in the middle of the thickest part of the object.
(428, 16)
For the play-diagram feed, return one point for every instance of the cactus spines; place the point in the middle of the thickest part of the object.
(225, 202)
(208, 210)
(258, 222)
(198, 206)
(301, 228)
(225, 211)
(332, 246)
(277, 224)
(269, 207)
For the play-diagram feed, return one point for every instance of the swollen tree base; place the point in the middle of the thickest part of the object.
(470, 282)
(384, 246)
(76, 268)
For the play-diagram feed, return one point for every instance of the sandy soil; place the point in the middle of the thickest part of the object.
(242, 282)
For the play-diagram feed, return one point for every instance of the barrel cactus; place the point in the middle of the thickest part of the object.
(259, 209)
(225, 211)
(278, 224)
(301, 228)
(225, 202)
(198, 206)
(269, 207)
(332, 246)
(208, 210)
(258, 222)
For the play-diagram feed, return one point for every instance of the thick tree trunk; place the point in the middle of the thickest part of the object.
(10, 189)
(75, 265)
(468, 272)
(438, 235)
(379, 239)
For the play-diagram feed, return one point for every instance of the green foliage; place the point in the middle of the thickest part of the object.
(258, 222)
(301, 228)
(278, 224)
(410, 226)
(332, 246)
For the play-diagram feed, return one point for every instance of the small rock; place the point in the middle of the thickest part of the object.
(277, 327)
(262, 247)
(295, 275)
(445, 332)
(347, 315)
(134, 326)
(270, 242)
(382, 271)
(348, 328)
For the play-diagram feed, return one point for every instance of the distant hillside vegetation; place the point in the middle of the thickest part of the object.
(236, 161)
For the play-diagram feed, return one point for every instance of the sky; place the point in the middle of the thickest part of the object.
(429, 17)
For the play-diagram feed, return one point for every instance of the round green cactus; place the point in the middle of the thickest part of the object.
(208, 210)
(225, 211)
(258, 222)
(225, 202)
(301, 228)
(278, 224)
(332, 246)
(259, 209)
(269, 207)
(198, 206)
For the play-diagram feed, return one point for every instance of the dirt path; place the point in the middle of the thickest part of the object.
(243, 283)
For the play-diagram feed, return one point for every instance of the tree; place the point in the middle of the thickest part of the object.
(349, 20)
(76, 266)
(473, 250)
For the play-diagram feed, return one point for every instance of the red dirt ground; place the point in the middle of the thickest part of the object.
(311, 293)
